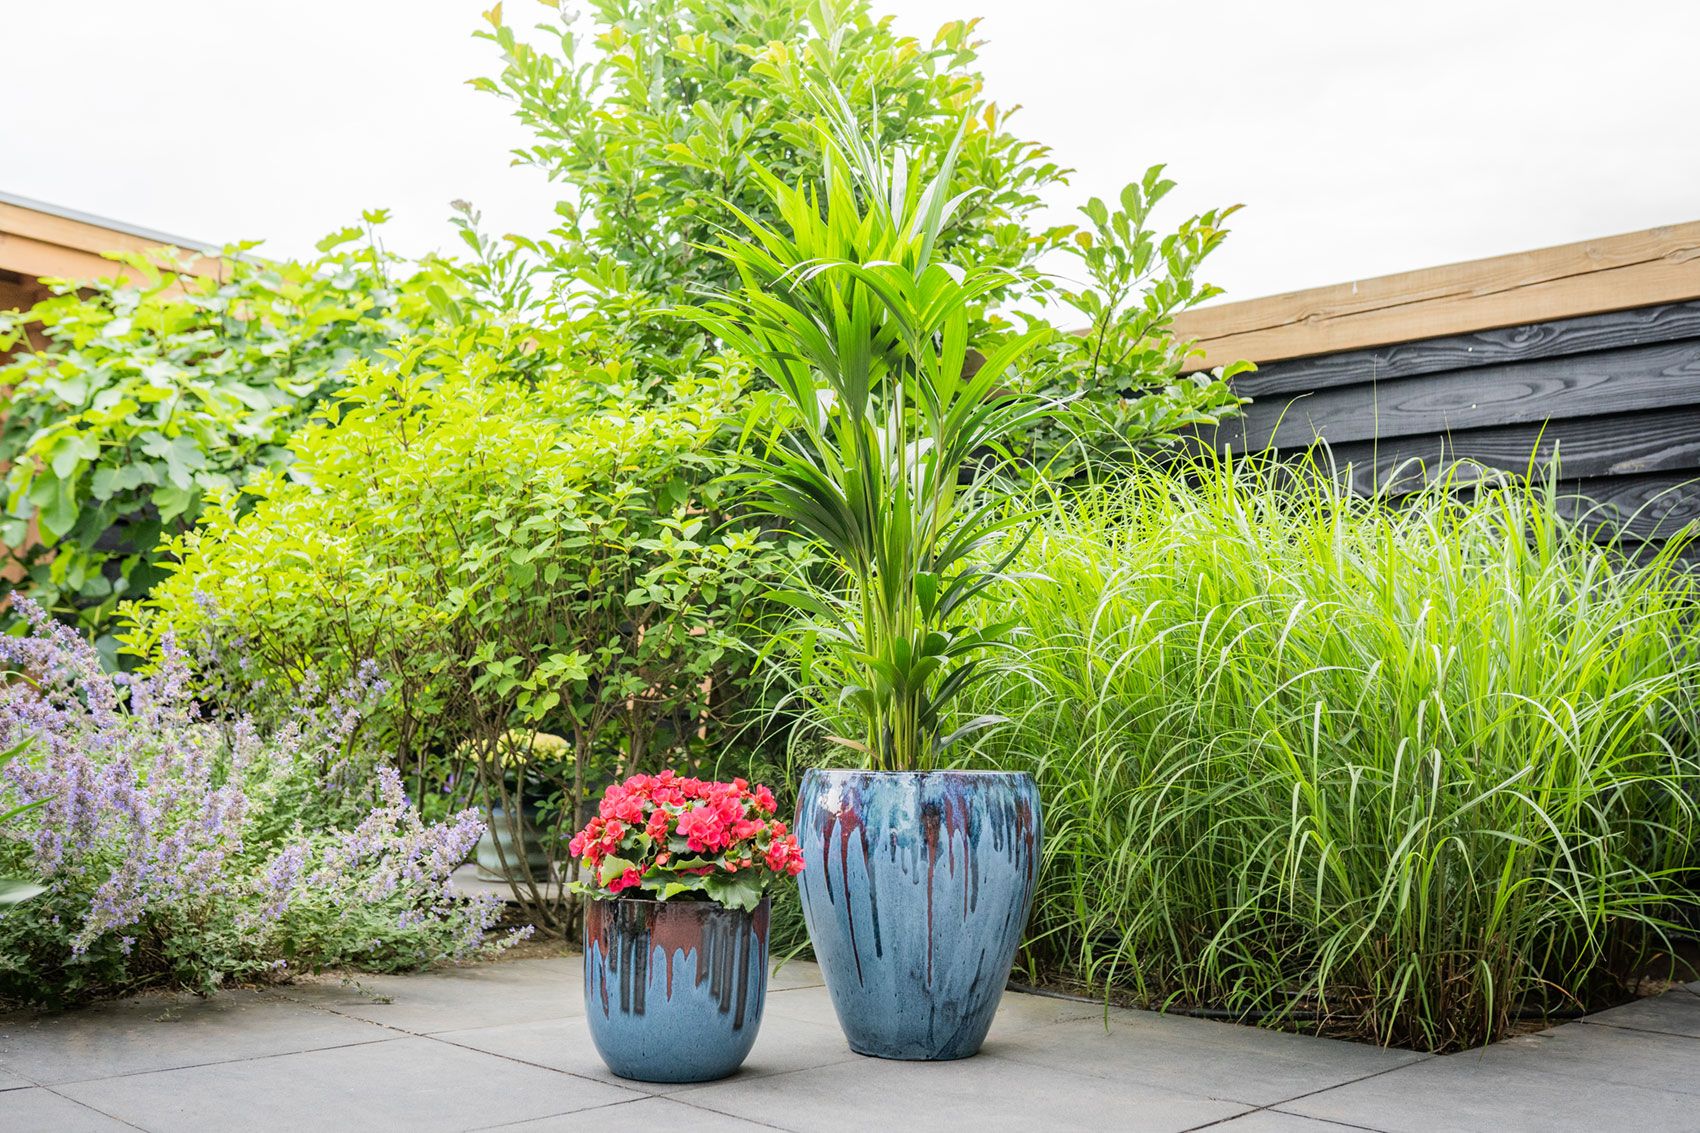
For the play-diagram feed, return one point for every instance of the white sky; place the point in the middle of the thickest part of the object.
(1365, 136)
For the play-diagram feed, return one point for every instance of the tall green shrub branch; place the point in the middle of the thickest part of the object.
(889, 439)
(659, 114)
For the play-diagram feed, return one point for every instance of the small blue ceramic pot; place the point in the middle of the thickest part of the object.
(674, 989)
(916, 892)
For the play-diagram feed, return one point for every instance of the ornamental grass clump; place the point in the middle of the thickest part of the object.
(183, 850)
(1408, 770)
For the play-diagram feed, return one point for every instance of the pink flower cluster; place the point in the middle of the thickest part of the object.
(657, 831)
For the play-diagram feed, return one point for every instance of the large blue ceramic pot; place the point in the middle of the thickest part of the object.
(674, 989)
(916, 891)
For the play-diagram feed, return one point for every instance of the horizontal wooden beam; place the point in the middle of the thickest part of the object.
(1656, 376)
(1615, 273)
(40, 243)
(1456, 353)
(39, 259)
(1624, 444)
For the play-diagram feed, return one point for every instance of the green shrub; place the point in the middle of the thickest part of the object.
(142, 396)
(665, 117)
(540, 554)
(1414, 767)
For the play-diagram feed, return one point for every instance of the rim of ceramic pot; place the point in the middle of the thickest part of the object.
(964, 772)
(676, 903)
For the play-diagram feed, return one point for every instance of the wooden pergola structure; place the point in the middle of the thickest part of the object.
(42, 241)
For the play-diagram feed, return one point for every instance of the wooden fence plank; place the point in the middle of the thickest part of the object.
(1648, 509)
(1637, 269)
(1624, 444)
(1664, 323)
(1606, 381)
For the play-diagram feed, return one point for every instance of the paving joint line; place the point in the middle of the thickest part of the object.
(93, 1108)
(213, 1062)
(537, 1066)
(738, 1116)
(1641, 1030)
(1274, 1105)
(563, 1113)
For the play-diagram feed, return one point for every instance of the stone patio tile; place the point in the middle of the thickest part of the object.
(37, 1110)
(782, 1045)
(1017, 1012)
(1251, 1065)
(647, 1113)
(1608, 1054)
(1470, 1094)
(972, 1094)
(1274, 1121)
(795, 974)
(1676, 1012)
(453, 999)
(162, 1032)
(412, 1084)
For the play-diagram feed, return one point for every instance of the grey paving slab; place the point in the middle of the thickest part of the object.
(647, 1113)
(453, 999)
(506, 1045)
(38, 1109)
(1219, 1060)
(1471, 1094)
(782, 1045)
(1608, 1054)
(975, 1094)
(405, 1083)
(1274, 1121)
(1016, 1012)
(160, 1032)
(1676, 1012)
(794, 974)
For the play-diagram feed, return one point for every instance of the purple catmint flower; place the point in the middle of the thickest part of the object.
(148, 808)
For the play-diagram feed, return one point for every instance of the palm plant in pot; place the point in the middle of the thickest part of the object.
(919, 878)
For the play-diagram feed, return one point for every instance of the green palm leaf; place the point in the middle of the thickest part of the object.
(866, 339)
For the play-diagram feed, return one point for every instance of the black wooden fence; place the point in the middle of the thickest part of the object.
(1614, 397)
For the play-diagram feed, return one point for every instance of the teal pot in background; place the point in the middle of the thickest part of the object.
(529, 849)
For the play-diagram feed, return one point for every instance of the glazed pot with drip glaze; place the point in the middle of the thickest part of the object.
(673, 990)
(916, 891)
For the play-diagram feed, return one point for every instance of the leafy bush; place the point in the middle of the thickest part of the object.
(543, 553)
(135, 399)
(1414, 768)
(667, 120)
(176, 849)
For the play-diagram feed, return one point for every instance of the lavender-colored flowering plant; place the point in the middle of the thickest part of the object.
(179, 848)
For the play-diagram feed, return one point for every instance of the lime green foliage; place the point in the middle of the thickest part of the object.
(1412, 766)
(668, 111)
(665, 113)
(147, 395)
(862, 326)
(537, 554)
(1121, 375)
